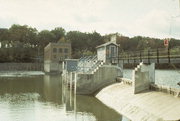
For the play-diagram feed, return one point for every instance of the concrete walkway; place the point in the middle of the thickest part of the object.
(146, 106)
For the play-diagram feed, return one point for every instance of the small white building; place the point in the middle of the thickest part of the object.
(106, 52)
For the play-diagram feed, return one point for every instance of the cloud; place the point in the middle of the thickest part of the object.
(137, 17)
(155, 23)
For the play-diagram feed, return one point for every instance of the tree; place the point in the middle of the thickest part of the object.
(78, 41)
(84, 41)
(23, 34)
(45, 37)
(4, 37)
(94, 39)
(58, 32)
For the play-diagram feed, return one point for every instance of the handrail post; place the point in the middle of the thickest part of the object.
(118, 58)
(157, 55)
(123, 58)
(128, 57)
(140, 57)
(148, 56)
(134, 58)
(169, 60)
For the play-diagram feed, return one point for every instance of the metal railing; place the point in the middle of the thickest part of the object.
(87, 64)
(149, 55)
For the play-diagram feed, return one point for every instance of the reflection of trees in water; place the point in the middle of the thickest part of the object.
(14, 85)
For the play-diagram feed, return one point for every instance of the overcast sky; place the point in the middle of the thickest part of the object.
(128, 17)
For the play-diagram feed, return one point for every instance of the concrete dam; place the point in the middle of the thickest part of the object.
(139, 99)
(145, 106)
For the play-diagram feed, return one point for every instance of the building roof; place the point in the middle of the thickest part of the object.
(58, 44)
(106, 44)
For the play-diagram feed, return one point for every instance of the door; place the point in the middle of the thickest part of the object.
(112, 51)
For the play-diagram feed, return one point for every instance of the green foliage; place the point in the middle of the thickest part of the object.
(58, 32)
(88, 53)
(4, 35)
(143, 43)
(83, 41)
(23, 34)
(21, 43)
(44, 37)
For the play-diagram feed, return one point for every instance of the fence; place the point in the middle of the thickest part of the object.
(149, 55)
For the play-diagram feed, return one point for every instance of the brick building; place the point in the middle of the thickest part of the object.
(54, 54)
(57, 51)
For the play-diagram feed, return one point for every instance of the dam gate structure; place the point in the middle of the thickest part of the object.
(91, 73)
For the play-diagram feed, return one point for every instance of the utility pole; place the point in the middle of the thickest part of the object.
(179, 5)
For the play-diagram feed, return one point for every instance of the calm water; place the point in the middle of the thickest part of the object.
(162, 77)
(32, 96)
(44, 98)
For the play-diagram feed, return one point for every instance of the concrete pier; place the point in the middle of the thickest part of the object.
(90, 83)
(143, 77)
(145, 106)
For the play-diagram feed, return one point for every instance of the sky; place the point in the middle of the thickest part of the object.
(153, 18)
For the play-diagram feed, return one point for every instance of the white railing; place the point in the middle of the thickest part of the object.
(88, 64)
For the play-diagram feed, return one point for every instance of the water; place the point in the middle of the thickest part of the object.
(162, 77)
(41, 97)
(33, 96)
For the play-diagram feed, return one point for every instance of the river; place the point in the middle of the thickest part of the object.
(162, 77)
(33, 96)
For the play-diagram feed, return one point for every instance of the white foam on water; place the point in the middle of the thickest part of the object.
(20, 73)
(20, 97)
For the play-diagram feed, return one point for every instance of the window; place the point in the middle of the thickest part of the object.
(65, 50)
(54, 56)
(60, 50)
(54, 50)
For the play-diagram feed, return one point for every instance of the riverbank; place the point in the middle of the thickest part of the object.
(149, 106)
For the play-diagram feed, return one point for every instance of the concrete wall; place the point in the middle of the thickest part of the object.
(143, 76)
(90, 83)
(149, 106)
(154, 87)
(46, 66)
(166, 89)
(101, 54)
(21, 66)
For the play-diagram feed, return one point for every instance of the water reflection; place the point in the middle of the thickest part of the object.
(46, 98)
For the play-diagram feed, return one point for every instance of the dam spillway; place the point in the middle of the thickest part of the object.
(149, 105)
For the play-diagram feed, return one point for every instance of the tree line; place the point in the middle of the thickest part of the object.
(22, 43)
